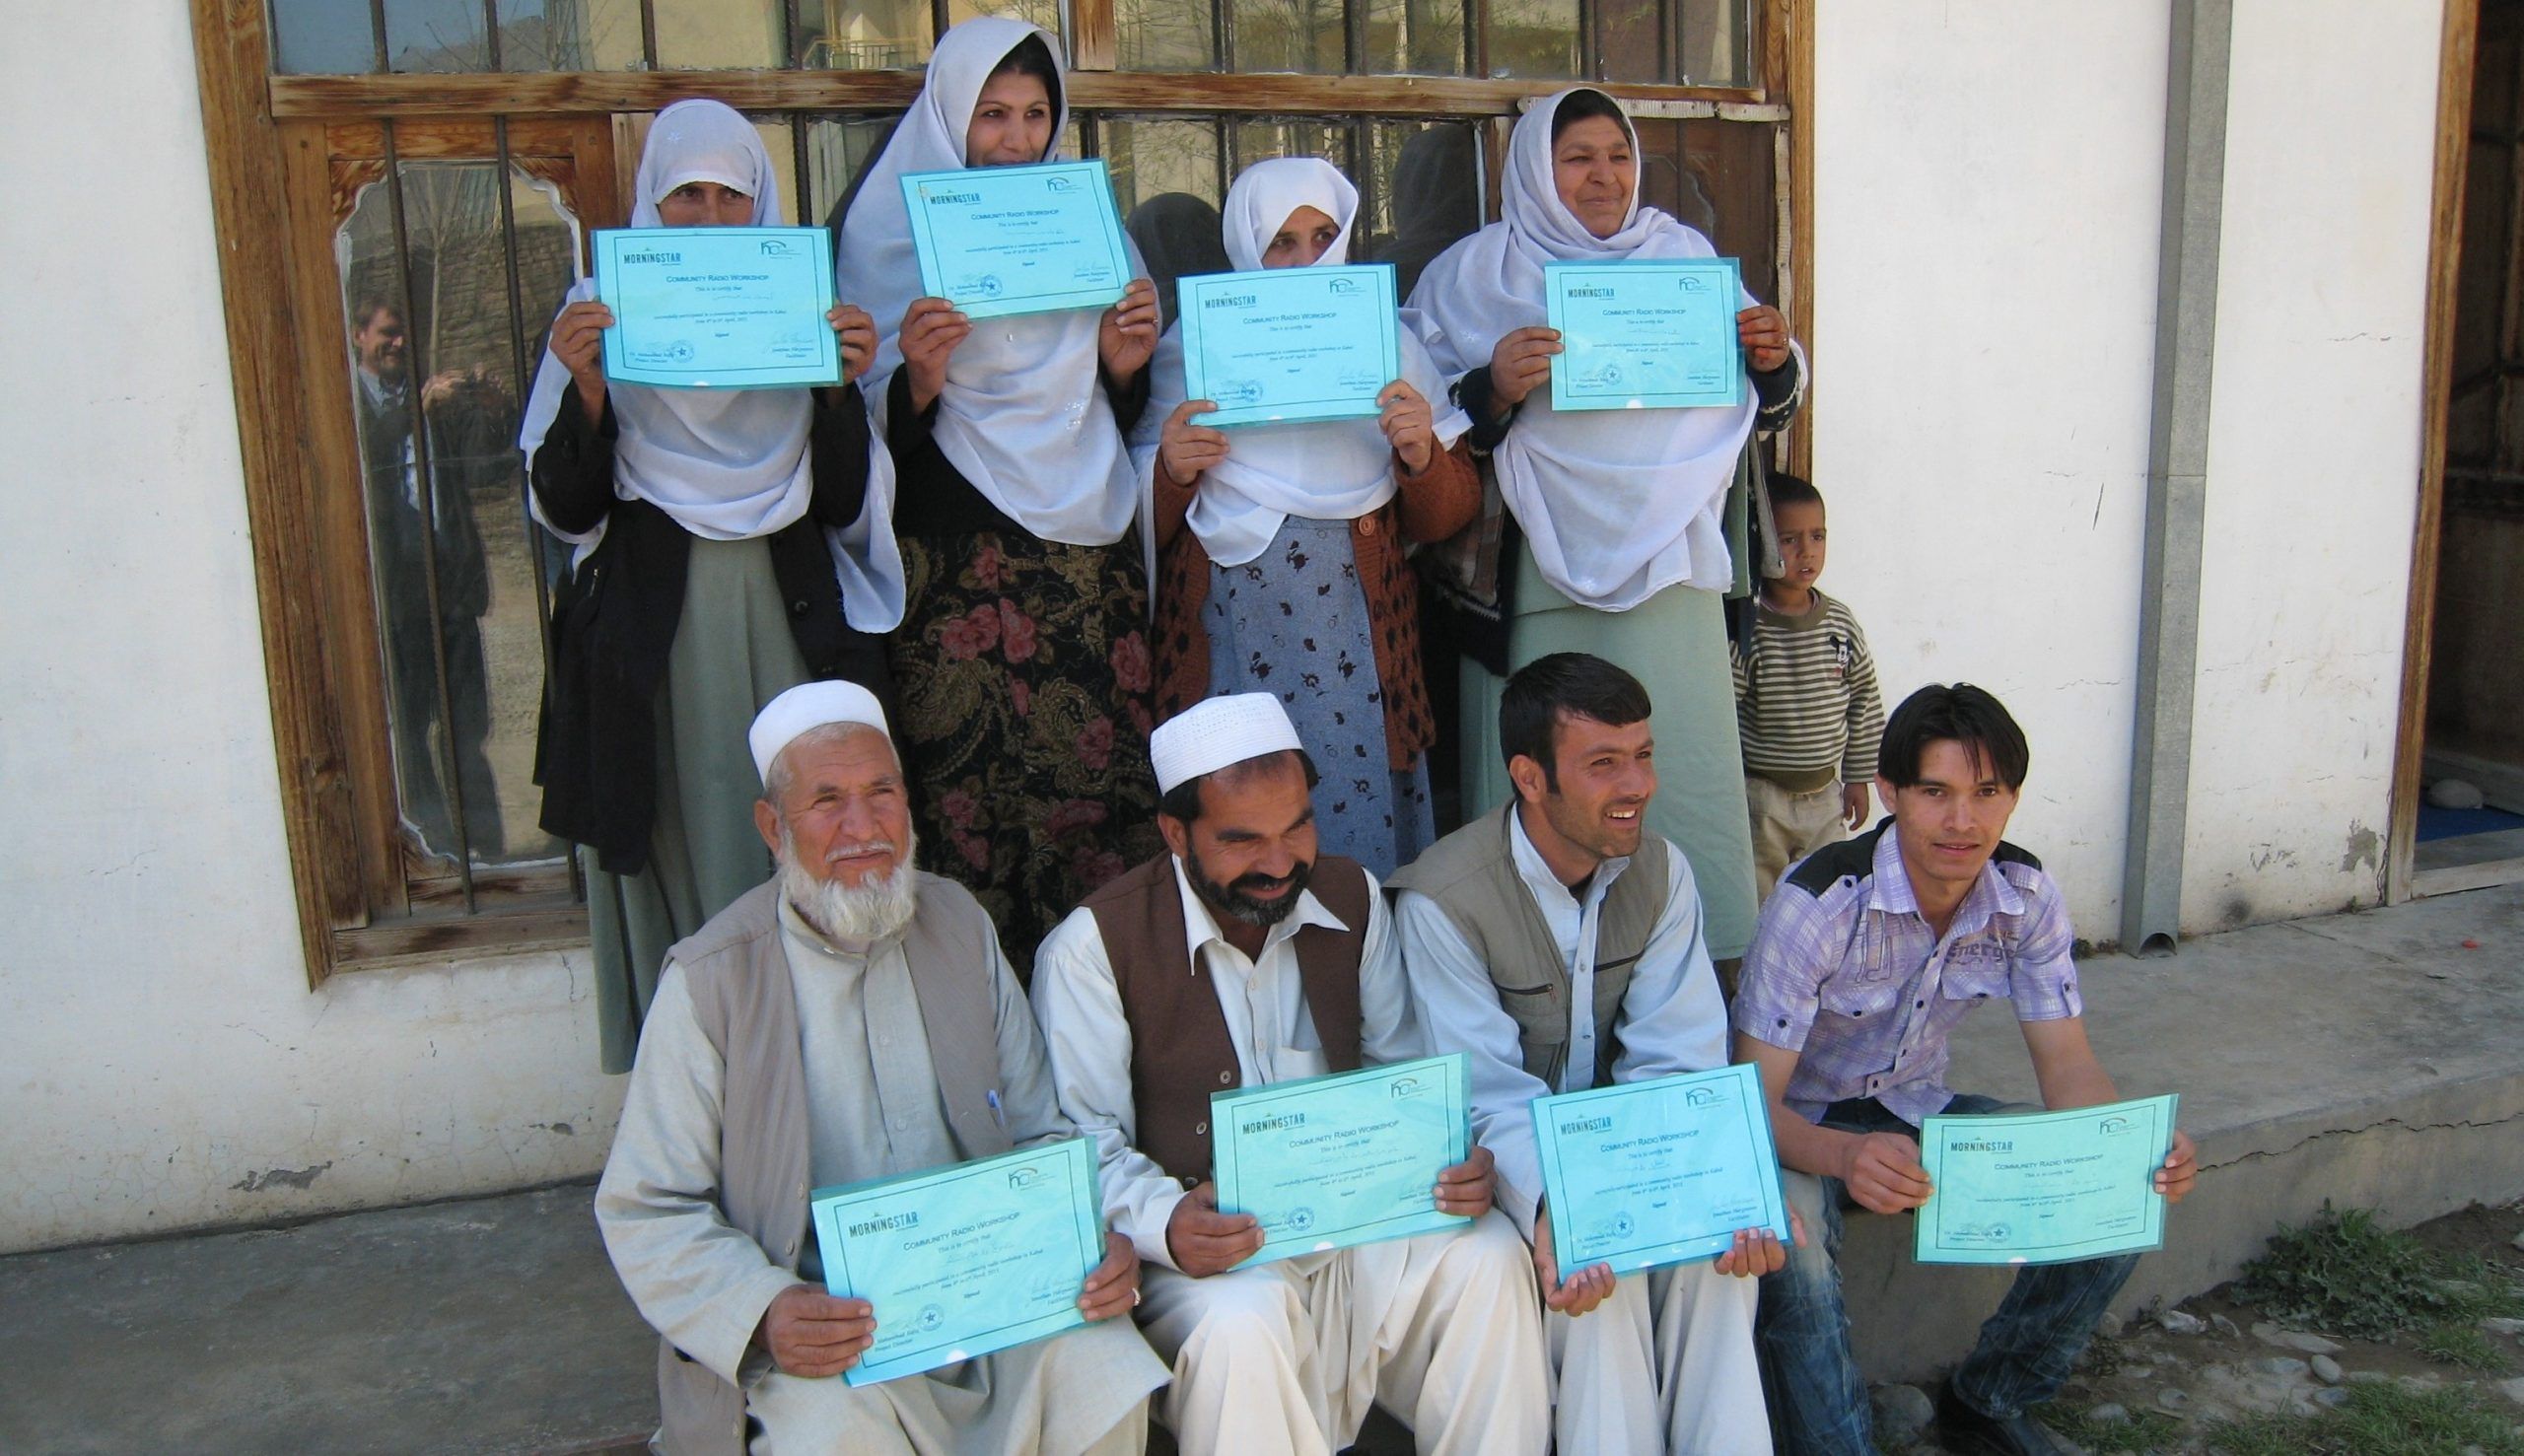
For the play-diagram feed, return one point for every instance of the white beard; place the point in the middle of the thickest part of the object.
(860, 914)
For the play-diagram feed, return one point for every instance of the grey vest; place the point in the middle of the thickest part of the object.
(739, 974)
(1472, 876)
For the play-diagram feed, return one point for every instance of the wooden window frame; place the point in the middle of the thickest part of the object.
(269, 140)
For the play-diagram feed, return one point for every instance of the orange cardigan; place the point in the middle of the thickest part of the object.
(1431, 506)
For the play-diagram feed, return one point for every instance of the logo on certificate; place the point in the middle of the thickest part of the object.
(1691, 283)
(1061, 184)
(980, 286)
(1705, 1097)
(929, 1319)
(1300, 1219)
(2113, 1127)
(1020, 1179)
(1235, 393)
(1605, 375)
(1408, 1086)
(778, 247)
(1345, 285)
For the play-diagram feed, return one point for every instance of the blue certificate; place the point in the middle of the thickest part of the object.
(1330, 1162)
(1646, 1173)
(718, 307)
(1288, 344)
(2044, 1187)
(1654, 334)
(963, 1260)
(995, 241)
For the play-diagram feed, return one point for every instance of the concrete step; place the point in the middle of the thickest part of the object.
(2373, 1059)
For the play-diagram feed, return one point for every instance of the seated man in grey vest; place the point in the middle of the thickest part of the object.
(1242, 957)
(1559, 946)
(853, 1018)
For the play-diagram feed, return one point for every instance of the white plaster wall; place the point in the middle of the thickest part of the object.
(2313, 455)
(1986, 190)
(162, 1062)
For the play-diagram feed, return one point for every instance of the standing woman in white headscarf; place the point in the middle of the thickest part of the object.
(1624, 553)
(1281, 547)
(730, 545)
(1023, 659)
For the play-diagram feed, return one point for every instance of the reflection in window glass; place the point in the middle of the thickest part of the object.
(437, 381)
(569, 34)
(865, 34)
(322, 38)
(781, 143)
(1255, 138)
(436, 35)
(1166, 180)
(1305, 36)
(1423, 37)
(1717, 46)
(1715, 176)
(1422, 191)
(1044, 13)
(838, 149)
(1534, 37)
(714, 34)
(1630, 39)
(1166, 35)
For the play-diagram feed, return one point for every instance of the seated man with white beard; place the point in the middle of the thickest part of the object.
(853, 1018)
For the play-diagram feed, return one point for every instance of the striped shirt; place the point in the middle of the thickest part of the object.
(1805, 701)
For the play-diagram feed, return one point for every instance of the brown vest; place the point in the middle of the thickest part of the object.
(738, 971)
(1181, 1052)
(1472, 876)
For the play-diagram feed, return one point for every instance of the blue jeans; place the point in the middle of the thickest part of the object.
(1818, 1399)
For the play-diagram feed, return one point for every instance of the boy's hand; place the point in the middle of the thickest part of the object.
(2181, 1170)
(1882, 1173)
(1855, 803)
(1580, 1292)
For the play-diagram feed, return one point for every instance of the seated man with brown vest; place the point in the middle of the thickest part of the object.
(853, 1018)
(1559, 946)
(1240, 959)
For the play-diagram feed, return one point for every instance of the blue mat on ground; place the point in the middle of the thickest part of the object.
(2436, 823)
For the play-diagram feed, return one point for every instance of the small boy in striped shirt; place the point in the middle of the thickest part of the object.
(1805, 700)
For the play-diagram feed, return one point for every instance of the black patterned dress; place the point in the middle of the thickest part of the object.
(1023, 672)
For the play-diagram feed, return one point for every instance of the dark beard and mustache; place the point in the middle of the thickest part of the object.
(1236, 899)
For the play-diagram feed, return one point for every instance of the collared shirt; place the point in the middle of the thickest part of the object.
(1855, 981)
(1671, 1019)
(1263, 998)
(872, 1109)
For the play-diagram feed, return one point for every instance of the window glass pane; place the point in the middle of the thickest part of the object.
(1166, 35)
(1534, 37)
(1718, 43)
(1257, 138)
(434, 36)
(1415, 36)
(778, 140)
(1044, 13)
(866, 35)
(1166, 179)
(838, 149)
(1630, 39)
(570, 34)
(322, 38)
(713, 35)
(438, 381)
(1715, 176)
(1308, 36)
(1421, 192)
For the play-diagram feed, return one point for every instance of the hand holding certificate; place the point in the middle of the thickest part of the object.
(1657, 1172)
(964, 1260)
(1331, 1161)
(2044, 1187)
(718, 307)
(997, 241)
(1646, 334)
(1283, 345)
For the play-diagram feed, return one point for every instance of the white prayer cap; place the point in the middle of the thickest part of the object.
(1217, 732)
(809, 704)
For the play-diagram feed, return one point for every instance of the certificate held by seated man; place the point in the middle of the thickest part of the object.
(1646, 334)
(2044, 1187)
(1281, 345)
(964, 1260)
(1648, 1173)
(998, 240)
(718, 307)
(1327, 1163)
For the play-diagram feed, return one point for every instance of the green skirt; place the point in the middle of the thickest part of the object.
(1675, 643)
(733, 653)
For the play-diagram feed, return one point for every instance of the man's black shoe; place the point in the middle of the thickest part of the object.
(1967, 1432)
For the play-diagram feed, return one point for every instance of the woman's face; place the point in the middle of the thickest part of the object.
(1596, 174)
(1302, 238)
(1011, 122)
(705, 205)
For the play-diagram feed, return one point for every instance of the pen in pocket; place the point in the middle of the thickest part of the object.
(998, 1113)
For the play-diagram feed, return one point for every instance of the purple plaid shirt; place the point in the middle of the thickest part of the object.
(1855, 980)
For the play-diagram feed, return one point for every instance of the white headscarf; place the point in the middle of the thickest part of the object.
(1616, 505)
(1326, 469)
(727, 464)
(1023, 415)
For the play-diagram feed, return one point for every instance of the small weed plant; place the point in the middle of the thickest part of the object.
(2378, 1420)
(2343, 1273)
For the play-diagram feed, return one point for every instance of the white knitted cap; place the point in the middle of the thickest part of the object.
(809, 704)
(1217, 732)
